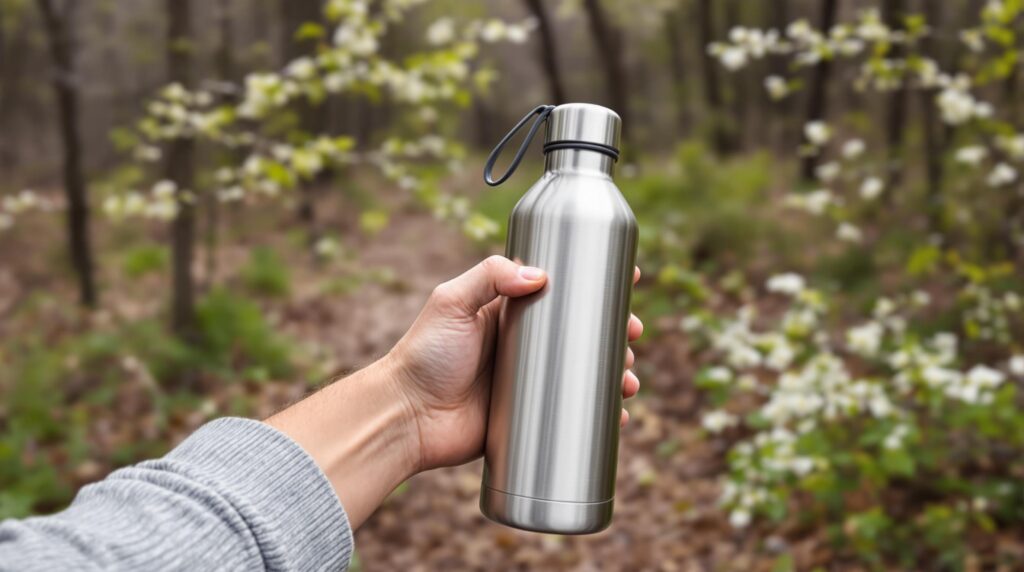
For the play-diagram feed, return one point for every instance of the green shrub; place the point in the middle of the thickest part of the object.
(886, 435)
(266, 273)
(236, 338)
(144, 259)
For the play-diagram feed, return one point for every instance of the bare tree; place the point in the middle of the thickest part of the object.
(181, 170)
(11, 75)
(295, 13)
(548, 51)
(713, 100)
(58, 20)
(674, 33)
(225, 65)
(608, 40)
(896, 114)
(816, 98)
(782, 110)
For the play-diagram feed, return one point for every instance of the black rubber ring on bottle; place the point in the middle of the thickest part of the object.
(586, 145)
(542, 111)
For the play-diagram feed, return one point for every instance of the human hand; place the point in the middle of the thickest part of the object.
(424, 404)
(443, 364)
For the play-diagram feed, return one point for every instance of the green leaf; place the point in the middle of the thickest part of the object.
(309, 31)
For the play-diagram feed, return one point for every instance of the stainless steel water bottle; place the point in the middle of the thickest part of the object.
(552, 439)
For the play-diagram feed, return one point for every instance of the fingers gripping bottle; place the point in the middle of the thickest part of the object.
(552, 439)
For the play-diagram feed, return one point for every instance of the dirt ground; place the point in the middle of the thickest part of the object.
(666, 515)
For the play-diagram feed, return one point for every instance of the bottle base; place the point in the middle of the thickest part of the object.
(541, 515)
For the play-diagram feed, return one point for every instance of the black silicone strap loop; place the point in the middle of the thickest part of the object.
(585, 145)
(542, 112)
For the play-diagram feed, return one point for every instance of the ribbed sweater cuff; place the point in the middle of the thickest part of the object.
(286, 500)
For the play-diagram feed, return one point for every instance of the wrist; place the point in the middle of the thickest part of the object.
(396, 385)
(362, 432)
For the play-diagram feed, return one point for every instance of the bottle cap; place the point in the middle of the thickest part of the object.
(573, 124)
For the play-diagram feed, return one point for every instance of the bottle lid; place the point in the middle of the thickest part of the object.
(579, 125)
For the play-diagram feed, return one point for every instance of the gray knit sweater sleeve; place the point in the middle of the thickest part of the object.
(236, 495)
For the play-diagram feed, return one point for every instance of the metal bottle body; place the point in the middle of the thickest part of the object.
(552, 441)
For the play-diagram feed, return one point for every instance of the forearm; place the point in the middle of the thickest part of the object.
(361, 431)
(237, 495)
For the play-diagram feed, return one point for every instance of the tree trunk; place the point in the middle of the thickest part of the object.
(548, 51)
(181, 170)
(295, 13)
(933, 129)
(782, 111)
(11, 92)
(211, 206)
(713, 101)
(609, 45)
(674, 32)
(816, 102)
(59, 30)
(896, 116)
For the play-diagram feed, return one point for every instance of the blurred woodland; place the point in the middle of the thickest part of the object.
(212, 208)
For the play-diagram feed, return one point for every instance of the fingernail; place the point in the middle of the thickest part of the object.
(531, 273)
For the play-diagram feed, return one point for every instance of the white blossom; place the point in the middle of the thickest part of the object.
(789, 283)
(1012, 145)
(1016, 365)
(441, 31)
(853, 148)
(817, 132)
(739, 518)
(1002, 174)
(826, 172)
(733, 58)
(973, 39)
(718, 421)
(871, 188)
(718, 374)
(814, 202)
(849, 233)
(776, 86)
(865, 339)
(958, 106)
(971, 154)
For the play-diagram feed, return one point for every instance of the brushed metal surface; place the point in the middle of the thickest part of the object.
(583, 122)
(552, 442)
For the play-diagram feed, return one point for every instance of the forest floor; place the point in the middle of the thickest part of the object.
(666, 515)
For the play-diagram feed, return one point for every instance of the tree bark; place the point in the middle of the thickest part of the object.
(782, 111)
(294, 13)
(59, 27)
(816, 102)
(211, 206)
(608, 40)
(713, 101)
(11, 93)
(181, 170)
(896, 115)
(933, 128)
(548, 51)
(674, 39)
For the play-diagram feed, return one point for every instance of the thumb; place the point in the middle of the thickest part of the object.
(496, 276)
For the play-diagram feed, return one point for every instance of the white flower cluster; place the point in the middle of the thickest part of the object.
(178, 113)
(23, 202)
(987, 314)
(349, 61)
(815, 202)
(744, 45)
(160, 203)
(815, 388)
(957, 104)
